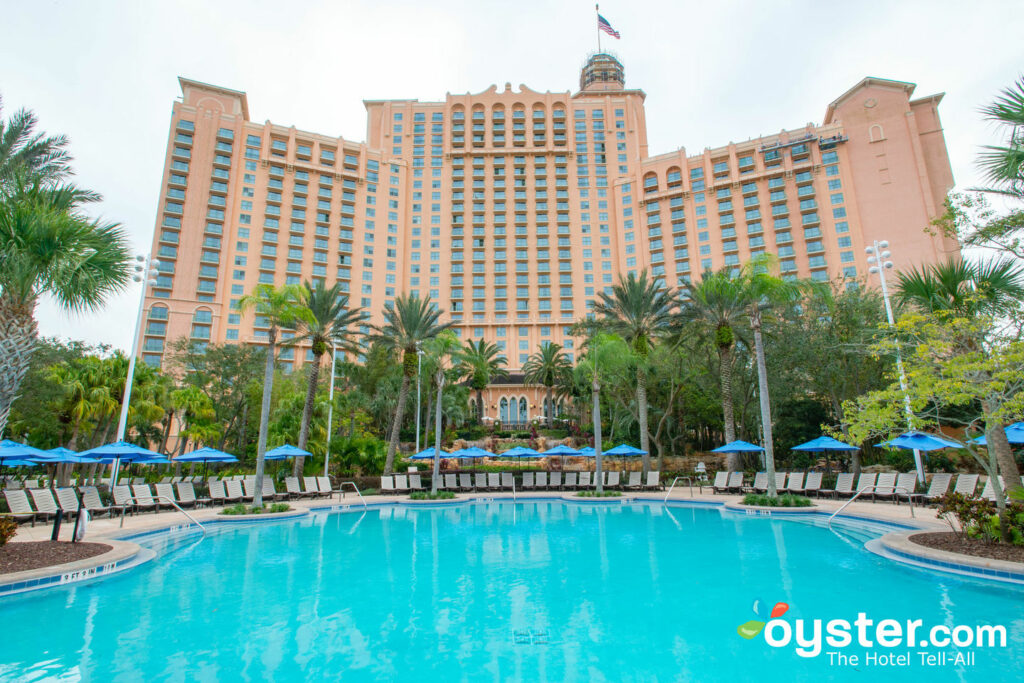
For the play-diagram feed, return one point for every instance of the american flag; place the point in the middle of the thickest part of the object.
(603, 25)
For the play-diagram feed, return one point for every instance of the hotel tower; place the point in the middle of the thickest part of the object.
(513, 209)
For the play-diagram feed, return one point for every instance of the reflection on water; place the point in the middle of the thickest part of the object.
(538, 591)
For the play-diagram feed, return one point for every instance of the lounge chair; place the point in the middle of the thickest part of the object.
(313, 489)
(906, 482)
(885, 486)
(529, 480)
(144, 497)
(45, 503)
(138, 481)
(585, 480)
(844, 485)
(21, 509)
(93, 503)
(187, 495)
(966, 485)
(249, 486)
(218, 494)
(122, 496)
(866, 481)
(780, 482)
(466, 481)
(292, 488)
(68, 500)
(494, 481)
(721, 482)
(634, 481)
(401, 483)
(571, 480)
(270, 491)
(542, 480)
(795, 483)
(325, 486)
(165, 480)
(450, 483)
(415, 482)
(166, 492)
(178, 480)
(938, 487)
(613, 480)
(387, 484)
(988, 492)
(507, 482)
(480, 481)
(556, 480)
(735, 481)
(654, 481)
(234, 491)
(760, 484)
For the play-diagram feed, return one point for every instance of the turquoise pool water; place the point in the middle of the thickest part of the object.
(534, 591)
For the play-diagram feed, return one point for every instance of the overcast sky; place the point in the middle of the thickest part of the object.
(105, 73)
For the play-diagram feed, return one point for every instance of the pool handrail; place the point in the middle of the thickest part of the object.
(341, 487)
(872, 487)
(689, 481)
(172, 502)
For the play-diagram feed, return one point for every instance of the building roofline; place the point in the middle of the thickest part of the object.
(870, 80)
(936, 98)
(240, 94)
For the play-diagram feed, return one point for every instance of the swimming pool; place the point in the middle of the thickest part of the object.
(534, 591)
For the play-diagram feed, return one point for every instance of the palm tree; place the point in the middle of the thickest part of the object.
(409, 322)
(1003, 165)
(24, 153)
(444, 345)
(48, 246)
(547, 367)
(762, 292)
(969, 289)
(483, 363)
(714, 306)
(328, 325)
(640, 310)
(278, 307)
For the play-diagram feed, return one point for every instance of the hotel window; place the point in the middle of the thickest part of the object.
(842, 226)
(846, 257)
(837, 198)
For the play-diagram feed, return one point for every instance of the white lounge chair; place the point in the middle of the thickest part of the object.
(844, 485)
(324, 484)
(812, 486)
(866, 482)
(270, 491)
(233, 489)
(613, 479)
(44, 502)
(466, 481)
(542, 480)
(653, 481)
(166, 492)
(313, 489)
(571, 480)
(906, 482)
(885, 486)
(249, 486)
(387, 484)
(401, 483)
(966, 484)
(634, 481)
(68, 500)
(760, 484)
(988, 491)
(293, 489)
(780, 482)
(92, 502)
(938, 487)
(507, 482)
(795, 483)
(187, 495)
(735, 481)
(21, 509)
(585, 480)
(480, 481)
(450, 483)
(218, 494)
(416, 482)
(555, 481)
(494, 481)
(721, 482)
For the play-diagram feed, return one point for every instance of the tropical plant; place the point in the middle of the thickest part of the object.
(547, 367)
(640, 310)
(714, 307)
(483, 363)
(275, 308)
(408, 323)
(327, 325)
(1003, 165)
(24, 153)
(48, 246)
(441, 347)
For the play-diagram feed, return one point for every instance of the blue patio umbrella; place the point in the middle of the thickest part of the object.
(625, 449)
(473, 452)
(824, 443)
(738, 446)
(66, 455)
(286, 451)
(427, 454)
(121, 451)
(12, 450)
(1014, 434)
(921, 441)
(588, 452)
(205, 454)
(520, 452)
(561, 450)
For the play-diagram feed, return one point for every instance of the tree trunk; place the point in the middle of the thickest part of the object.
(168, 420)
(596, 388)
(18, 338)
(766, 413)
(551, 408)
(352, 422)
(430, 416)
(641, 404)
(437, 435)
(396, 426)
(725, 379)
(261, 444)
(307, 413)
(242, 427)
(480, 406)
(995, 437)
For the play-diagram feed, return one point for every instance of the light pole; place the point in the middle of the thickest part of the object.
(419, 368)
(878, 256)
(330, 409)
(146, 273)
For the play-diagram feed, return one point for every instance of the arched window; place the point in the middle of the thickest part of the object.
(503, 409)
(651, 182)
(523, 414)
(875, 132)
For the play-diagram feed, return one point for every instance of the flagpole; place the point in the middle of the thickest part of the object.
(597, 11)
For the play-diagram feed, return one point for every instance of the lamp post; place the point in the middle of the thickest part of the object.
(146, 273)
(878, 256)
(330, 409)
(419, 368)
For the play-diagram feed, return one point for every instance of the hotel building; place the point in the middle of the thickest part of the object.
(513, 209)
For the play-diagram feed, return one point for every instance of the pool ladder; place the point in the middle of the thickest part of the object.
(192, 519)
(341, 488)
(873, 487)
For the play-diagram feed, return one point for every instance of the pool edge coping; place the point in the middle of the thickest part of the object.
(898, 546)
(121, 554)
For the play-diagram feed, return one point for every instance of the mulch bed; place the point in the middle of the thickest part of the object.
(21, 556)
(950, 542)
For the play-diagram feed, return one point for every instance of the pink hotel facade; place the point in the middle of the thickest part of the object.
(512, 209)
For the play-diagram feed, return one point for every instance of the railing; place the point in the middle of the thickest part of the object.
(341, 486)
(874, 487)
(513, 488)
(168, 500)
(689, 481)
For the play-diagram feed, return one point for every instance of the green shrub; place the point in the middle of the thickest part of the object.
(427, 495)
(595, 494)
(787, 500)
(242, 509)
(8, 527)
(979, 518)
